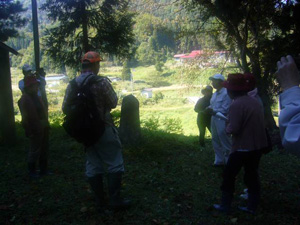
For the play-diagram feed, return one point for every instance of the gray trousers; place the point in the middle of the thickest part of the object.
(105, 155)
(221, 141)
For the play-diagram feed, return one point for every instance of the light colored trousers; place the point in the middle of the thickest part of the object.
(221, 141)
(105, 155)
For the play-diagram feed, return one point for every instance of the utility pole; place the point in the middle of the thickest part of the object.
(40, 72)
(35, 35)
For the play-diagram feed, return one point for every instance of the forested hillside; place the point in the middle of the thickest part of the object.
(162, 29)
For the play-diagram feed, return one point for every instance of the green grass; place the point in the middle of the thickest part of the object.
(169, 178)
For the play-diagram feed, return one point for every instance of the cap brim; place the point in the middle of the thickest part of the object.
(212, 78)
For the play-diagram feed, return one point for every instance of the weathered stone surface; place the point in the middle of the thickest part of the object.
(130, 127)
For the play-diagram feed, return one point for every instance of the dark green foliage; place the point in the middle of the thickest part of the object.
(257, 33)
(169, 178)
(154, 38)
(10, 18)
(87, 25)
(159, 63)
(126, 72)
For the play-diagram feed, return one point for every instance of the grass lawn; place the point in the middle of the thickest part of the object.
(169, 178)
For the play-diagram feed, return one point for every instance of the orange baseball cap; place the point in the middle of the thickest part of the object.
(91, 57)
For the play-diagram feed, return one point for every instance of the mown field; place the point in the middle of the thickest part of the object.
(168, 176)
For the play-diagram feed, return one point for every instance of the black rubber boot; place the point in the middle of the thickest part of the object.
(114, 188)
(225, 203)
(253, 200)
(96, 183)
(32, 171)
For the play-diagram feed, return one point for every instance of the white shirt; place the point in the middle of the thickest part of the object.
(220, 101)
(289, 120)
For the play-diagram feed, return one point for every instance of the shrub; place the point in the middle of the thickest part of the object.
(53, 101)
(172, 125)
(158, 96)
(116, 116)
(126, 72)
(151, 124)
(56, 118)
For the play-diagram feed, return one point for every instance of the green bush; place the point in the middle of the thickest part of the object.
(116, 116)
(54, 101)
(151, 124)
(158, 96)
(172, 125)
(126, 72)
(56, 118)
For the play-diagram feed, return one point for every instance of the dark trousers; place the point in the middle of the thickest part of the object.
(39, 145)
(250, 162)
(203, 123)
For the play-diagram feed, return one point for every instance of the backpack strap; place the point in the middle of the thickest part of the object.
(87, 80)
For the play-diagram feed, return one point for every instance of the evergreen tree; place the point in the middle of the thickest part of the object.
(126, 72)
(159, 62)
(10, 18)
(84, 25)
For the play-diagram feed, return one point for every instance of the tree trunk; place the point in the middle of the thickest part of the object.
(263, 93)
(269, 119)
(7, 117)
(86, 47)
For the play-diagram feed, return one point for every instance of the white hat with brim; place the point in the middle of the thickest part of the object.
(26, 68)
(217, 77)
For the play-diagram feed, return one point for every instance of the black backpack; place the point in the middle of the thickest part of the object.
(82, 120)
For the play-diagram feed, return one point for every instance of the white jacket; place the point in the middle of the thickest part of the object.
(289, 120)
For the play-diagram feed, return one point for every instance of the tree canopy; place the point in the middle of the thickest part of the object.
(83, 25)
(256, 32)
(10, 18)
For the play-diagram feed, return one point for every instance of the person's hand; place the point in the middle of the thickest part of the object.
(287, 73)
(208, 111)
(41, 72)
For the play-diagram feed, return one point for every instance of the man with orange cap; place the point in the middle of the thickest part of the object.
(105, 156)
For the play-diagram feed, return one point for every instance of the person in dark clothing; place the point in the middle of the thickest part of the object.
(203, 118)
(246, 125)
(36, 126)
(105, 157)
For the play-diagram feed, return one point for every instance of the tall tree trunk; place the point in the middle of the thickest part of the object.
(7, 117)
(263, 93)
(86, 47)
(36, 35)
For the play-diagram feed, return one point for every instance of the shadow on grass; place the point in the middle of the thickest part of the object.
(168, 176)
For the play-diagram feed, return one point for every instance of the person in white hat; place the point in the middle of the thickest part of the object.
(27, 71)
(219, 106)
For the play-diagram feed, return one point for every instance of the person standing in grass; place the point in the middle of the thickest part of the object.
(105, 156)
(246, 125)
(35, 123)
(203, 118)
(219, 105)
